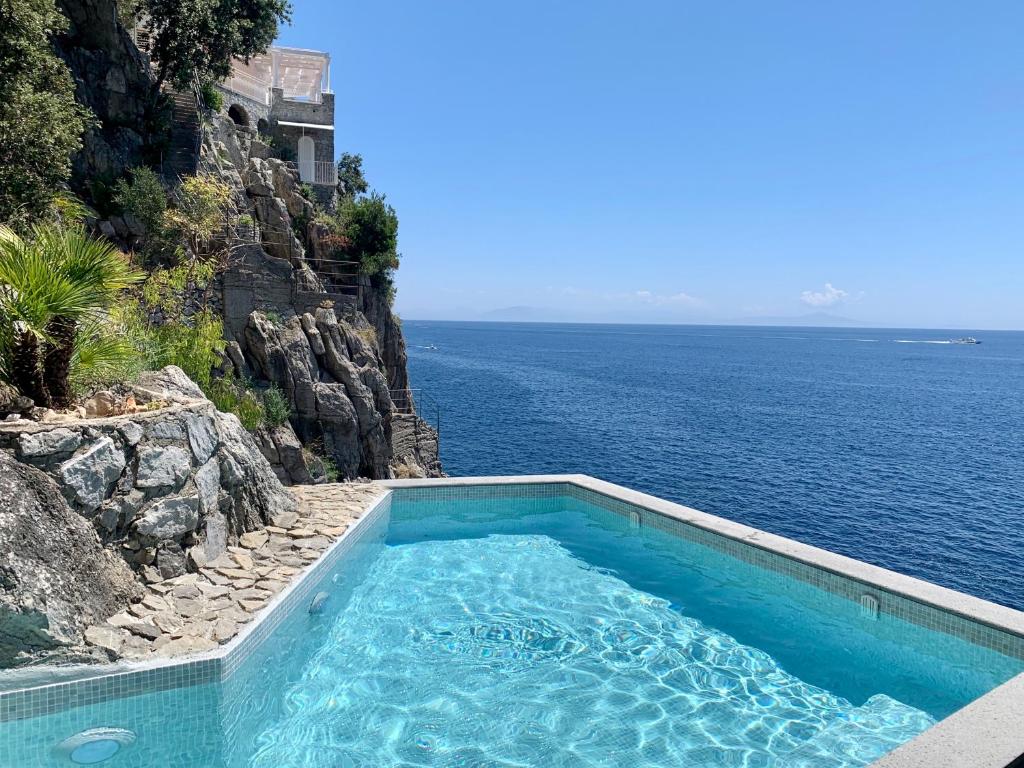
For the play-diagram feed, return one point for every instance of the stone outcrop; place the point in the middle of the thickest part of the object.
(56, 578)
(172, 487)
(335, 349)
(335, 400)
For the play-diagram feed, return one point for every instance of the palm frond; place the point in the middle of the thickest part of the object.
(102, 353)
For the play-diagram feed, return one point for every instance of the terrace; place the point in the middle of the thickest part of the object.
(301, 75)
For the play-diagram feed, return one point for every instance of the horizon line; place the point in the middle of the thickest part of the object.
(723, 324)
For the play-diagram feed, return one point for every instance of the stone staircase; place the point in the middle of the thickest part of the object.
(181, 156)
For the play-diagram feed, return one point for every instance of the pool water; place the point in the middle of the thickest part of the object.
(549, 632)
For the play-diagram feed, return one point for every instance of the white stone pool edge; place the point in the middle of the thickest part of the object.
(987, 733)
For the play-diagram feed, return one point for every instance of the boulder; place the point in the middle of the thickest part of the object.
(162, 466)
(55, 577)
(103, 403)
(48, 442)
(169, 385)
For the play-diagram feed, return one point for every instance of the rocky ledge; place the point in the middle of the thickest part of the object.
(85, 502)
(197, 612)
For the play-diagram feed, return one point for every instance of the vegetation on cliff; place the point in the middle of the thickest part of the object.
(41, 124)
(198, 40)
(246, 212)
(56, 286)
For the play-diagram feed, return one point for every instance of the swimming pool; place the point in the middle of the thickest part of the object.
(541, 625)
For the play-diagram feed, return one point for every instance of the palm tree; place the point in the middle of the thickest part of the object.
(50, 282)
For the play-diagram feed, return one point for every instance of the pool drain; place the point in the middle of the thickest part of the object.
(95, 746)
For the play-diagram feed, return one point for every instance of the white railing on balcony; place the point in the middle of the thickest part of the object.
(250, 87)
(318, 172)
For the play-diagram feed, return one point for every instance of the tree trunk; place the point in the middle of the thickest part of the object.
(57, 355)
(25, 370)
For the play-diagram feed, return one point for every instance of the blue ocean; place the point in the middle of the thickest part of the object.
(890, 446)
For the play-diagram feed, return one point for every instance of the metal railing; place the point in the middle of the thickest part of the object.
(416, 401)
(249, 87)
(318, 172)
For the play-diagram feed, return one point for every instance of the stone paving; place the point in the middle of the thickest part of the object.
(199, 611)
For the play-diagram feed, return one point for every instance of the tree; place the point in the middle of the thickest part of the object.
(41, 124)
(53, 284)
(370, 225)
(351, 181)
(199, 38)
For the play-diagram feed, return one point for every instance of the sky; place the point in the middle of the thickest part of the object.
(690, 162)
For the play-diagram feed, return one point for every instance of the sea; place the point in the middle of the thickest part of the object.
(891, 446)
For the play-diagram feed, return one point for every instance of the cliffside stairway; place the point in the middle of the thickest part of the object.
(181, 157)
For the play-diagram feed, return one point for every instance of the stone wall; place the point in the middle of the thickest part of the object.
(171, 487)
(303, 112)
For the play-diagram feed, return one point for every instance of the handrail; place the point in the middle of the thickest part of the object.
(405, 401)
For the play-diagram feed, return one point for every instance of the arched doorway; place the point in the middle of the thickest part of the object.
(307, 154)
(237, 113)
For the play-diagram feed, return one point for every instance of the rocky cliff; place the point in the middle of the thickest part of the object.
(335, 350)
(55, 576)
(113, 79)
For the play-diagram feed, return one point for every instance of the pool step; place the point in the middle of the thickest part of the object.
(867, 733)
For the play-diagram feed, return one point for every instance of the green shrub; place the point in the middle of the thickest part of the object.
(212, 97)
(201, 207)
(371, 226)
(351, 181)
(101, 190)
(276, 407)
(144, 197)
(235, 397)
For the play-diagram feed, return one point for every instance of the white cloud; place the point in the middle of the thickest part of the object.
(826, 297)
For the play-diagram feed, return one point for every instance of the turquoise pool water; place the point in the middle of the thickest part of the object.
(548, 632)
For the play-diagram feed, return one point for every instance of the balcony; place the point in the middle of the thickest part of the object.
(321, 173)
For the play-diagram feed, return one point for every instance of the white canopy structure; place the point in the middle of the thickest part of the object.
(301, 74)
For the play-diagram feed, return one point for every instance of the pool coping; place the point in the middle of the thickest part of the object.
(986, 733)
(980, 735)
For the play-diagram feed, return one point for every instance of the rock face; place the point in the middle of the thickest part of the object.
(113, 79)
(168, 487)
(56, 578)
(333, 398)
(330, 342)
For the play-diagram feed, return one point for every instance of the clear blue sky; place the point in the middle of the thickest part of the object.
(691, 162)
